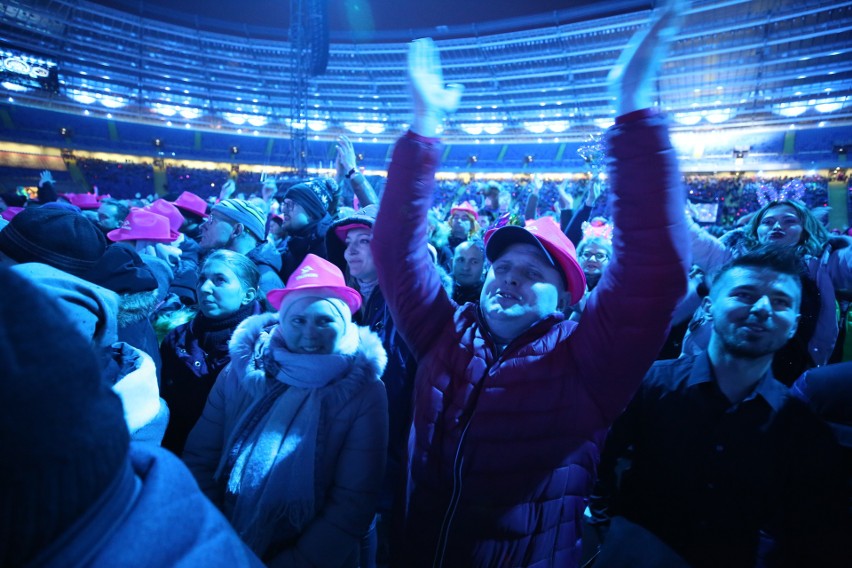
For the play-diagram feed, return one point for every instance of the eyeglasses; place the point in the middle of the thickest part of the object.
(598, 256)
(213, 219)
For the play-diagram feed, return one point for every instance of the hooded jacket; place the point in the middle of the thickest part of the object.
(131, 372)
(152, 514)
(505, 444)
(350, 455)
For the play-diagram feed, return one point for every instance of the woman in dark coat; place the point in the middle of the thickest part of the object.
(193, 354)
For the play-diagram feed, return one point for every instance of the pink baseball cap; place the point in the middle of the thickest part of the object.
(170, 212)
(142, 224)
(191, 203)
(318, 276)
(547, 236)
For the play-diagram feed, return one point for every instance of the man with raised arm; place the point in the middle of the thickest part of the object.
(512, 402)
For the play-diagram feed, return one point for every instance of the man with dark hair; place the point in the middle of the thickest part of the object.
(111, 214)
(713, 450)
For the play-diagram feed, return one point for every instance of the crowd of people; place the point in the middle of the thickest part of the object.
(320, 372)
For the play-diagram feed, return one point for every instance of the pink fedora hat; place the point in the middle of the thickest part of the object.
(191, 203)
(170, 212)
(142, 224)
(317, 275)
(84, 200)
(466, 207)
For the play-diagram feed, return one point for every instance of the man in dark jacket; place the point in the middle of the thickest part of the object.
(305, 208)
(512, 401)
(713, 451)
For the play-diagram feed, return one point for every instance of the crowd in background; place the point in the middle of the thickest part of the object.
(345, 371)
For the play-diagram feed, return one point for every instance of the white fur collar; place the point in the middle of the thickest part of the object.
(251, 338)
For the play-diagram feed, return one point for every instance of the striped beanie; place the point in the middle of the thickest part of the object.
(240, 211)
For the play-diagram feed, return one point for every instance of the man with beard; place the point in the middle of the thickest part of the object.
(306, 210)
(713, 456)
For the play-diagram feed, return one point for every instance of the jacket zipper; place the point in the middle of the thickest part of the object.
(458, 463)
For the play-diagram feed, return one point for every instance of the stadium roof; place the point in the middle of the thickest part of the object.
(366, 17)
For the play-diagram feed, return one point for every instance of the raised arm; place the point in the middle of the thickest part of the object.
(632, 306)
(532, 199)
(407, 277)
(708, 252)
(347, 168)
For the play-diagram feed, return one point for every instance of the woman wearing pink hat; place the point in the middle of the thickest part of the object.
(463, 222)
(291, 444)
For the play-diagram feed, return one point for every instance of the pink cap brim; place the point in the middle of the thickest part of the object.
(342, 231)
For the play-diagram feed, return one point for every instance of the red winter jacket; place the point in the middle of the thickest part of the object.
(504, 447)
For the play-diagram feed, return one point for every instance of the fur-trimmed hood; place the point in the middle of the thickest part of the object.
(250, 342)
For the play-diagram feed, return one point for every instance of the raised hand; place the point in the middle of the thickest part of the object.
(432, 99)
(566, 200)
(269, 189)
(345, 155)
(536, 184)
(46, 177)
(630, 80)
(595, 191)
(228, 189)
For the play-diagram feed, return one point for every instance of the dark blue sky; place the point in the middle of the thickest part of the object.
(346, 15)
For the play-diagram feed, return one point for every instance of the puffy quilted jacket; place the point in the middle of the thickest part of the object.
(504, 447)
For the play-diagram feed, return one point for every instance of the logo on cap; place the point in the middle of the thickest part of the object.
(307, 272)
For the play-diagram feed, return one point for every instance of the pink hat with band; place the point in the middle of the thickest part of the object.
(83, 200)
(545, 234)
(466, 207)
(320, 277)
(142, 224)
(191, 203)
(170, 212)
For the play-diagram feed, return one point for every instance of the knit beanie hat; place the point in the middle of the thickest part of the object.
(316, 196)
(123, 271)
(241, 211)
(65, 439)
(61, 238)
